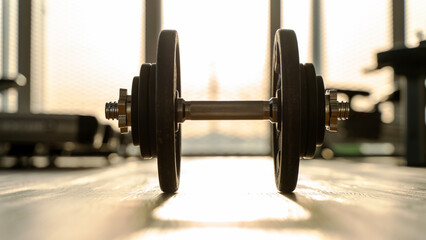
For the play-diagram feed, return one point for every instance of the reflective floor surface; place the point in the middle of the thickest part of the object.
(229, 198)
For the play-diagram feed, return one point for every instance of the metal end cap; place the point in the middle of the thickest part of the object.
(334, 110)
(120, 110)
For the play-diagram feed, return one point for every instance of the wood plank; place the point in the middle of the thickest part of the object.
(219, 197)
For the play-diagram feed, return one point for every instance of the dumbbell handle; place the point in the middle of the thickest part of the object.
(227, 110)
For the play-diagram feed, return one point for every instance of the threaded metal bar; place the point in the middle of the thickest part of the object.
(111, 110)
(343, 110)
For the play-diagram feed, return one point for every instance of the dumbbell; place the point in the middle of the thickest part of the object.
(300, 110)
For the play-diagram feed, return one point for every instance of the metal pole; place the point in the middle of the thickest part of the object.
(406, 113)
(415, 133)
(398, 23)
(398, 38)
(274, 24)
(316, 35)
(153, 24)
(24, 55)
(5, 40)
(5, 51)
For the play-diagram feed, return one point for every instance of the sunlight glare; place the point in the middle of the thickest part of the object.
(231, 208)
(250, 196)
(230, 233)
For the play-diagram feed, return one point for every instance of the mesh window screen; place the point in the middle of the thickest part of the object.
(296, 15)
(92, 49)
(415, 22)
(38, 55)
(224, 55)
(354, 31)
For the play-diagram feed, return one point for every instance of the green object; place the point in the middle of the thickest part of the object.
(352, 149)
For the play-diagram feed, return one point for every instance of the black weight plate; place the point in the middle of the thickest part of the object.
(311, 139)
(285, 76)
(135, 111)
(321, 111)
(143, 111)
(167, 90)
(303, 111)
(151, 109)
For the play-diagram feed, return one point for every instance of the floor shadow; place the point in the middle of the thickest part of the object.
(290, 196)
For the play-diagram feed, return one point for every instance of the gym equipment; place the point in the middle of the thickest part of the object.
(411, 63)
(300, 110)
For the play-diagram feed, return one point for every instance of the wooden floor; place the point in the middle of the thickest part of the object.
(219, 198)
